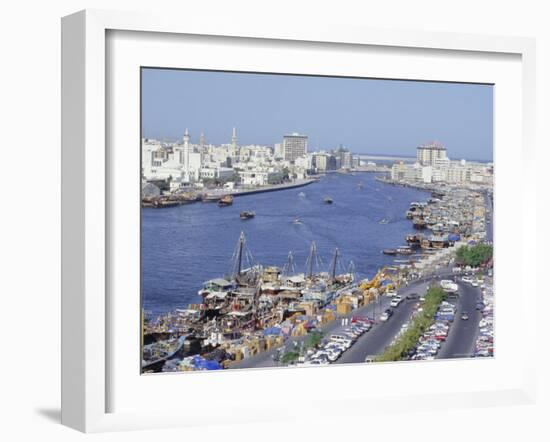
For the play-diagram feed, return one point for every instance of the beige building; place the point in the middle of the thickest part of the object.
(428, 154)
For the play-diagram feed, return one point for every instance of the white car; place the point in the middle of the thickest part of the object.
(317, 362)
(395, 302)
(384, 317)
(342, 340)
(333, 354)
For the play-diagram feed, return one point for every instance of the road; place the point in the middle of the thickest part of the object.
(377, 338)
(381, 335)
(462, 335)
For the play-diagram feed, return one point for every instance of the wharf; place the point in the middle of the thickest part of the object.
(272, 188)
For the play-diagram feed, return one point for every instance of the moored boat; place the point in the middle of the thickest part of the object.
(225, 200)
(419, 223)
(414, 240)
(328, 200)
(210, 197)
(404, 250)
(389, 252)
(247, 214)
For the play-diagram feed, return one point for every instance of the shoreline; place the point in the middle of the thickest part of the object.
(272, 188)
(166, 201)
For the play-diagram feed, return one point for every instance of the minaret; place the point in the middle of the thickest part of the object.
(202, 140)
(234, 138)
(186, 139)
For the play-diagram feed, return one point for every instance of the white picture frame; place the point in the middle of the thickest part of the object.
(86, 211)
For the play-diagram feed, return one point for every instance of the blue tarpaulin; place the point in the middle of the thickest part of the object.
(454, 237)
(272, 331)
(204, 364)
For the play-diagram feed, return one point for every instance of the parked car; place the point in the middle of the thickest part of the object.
(386, 315)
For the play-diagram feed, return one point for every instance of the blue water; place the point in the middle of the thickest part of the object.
(186, 245)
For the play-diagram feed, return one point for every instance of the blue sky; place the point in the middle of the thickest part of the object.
(365, 115)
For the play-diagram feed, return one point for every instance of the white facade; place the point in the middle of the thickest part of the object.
(304, 162)
(152, 157)
(294, 146)
(216, 173)
(426, 174)
(278, 150)
(256, 177)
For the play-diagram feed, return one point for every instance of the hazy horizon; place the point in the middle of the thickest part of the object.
(367, 116)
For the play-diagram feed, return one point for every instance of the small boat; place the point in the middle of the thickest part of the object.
(210, 198)
(404, 250)
(225, 200)
(296, 221)
(384, 221)
(419, 223)
(247, 214)
(301, 194)
(360, 186)
(328, 200)
(389, 252)
(414, 240)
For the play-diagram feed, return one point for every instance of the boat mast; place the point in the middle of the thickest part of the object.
(289, 267)
(255, 305)
(351, 269)
(334, 261)
(239, 258)
(312, 257)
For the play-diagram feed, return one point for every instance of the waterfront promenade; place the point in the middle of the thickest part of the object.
(242, 191)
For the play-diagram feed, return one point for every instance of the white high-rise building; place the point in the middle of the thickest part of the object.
(294, 146)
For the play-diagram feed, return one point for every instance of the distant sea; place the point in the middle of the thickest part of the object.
(183, 246)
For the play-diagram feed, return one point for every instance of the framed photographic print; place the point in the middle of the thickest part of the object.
(248, 212)
(276, 254)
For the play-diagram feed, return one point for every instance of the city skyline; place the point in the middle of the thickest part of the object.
(265, 107)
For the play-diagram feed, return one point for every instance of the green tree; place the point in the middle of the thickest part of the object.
(420, 323)
(289, 357)
(474, 256)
